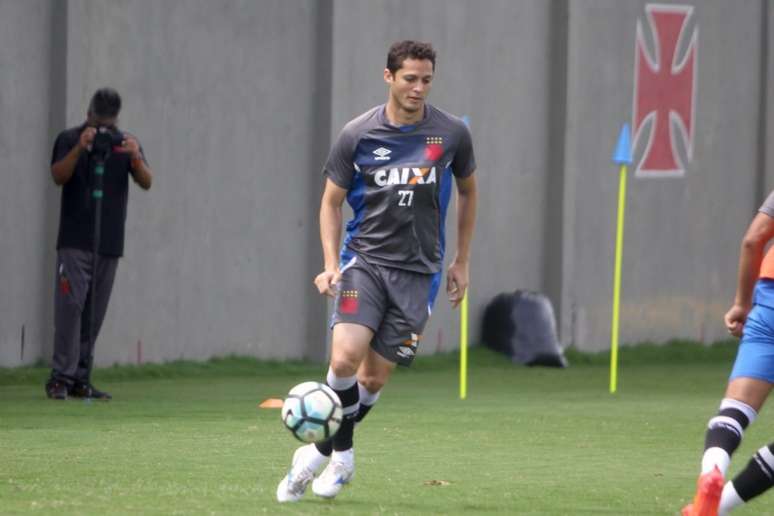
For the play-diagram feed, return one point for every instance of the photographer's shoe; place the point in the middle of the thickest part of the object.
(87, 390)
(56, 390)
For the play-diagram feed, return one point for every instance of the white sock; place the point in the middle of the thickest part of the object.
(346, 456)
(340, 383)
(729, 499)
(715, 457)
(366, 397)
(314, 457)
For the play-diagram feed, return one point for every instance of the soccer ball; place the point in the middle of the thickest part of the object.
(312, 412)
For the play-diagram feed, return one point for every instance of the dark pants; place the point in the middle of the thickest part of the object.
(73, 349)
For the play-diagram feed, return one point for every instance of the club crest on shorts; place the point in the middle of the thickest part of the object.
(408, 347)
(348, 303)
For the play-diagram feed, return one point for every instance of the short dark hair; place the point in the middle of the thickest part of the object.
(402, 50)
(106, 102)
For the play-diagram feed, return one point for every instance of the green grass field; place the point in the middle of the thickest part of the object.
(189, 439)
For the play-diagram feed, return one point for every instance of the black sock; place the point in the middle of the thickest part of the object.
(326, 447)
(349, 395)
(362, 413)
(758, 476)
(350, 401)
(727, 428)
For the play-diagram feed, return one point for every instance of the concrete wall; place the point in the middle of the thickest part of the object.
(682, 233)
(236, 103)
(27, 208)
(221, 95)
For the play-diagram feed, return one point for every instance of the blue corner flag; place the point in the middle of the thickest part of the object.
(623, 151)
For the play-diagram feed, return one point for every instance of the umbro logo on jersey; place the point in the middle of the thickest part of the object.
(382, 154)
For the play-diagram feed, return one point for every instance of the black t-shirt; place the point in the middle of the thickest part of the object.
(76, 216)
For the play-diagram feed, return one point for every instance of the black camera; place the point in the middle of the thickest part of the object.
(104, 141)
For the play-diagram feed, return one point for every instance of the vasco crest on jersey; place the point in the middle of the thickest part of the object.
(433, 148)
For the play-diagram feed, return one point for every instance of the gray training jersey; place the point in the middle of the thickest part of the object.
(399, 182)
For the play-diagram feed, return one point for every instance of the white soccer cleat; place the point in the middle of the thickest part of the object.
(306, 461)
(336, 475)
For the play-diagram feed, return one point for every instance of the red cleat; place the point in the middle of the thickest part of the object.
(708, 490)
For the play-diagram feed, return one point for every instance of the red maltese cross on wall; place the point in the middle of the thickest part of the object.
(665, 90)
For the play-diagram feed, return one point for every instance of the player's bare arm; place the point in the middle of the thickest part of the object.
(330, 237)
(759, 233)
(458, 275)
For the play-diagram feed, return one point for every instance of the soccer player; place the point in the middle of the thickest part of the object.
(751, 317)
(394, 164)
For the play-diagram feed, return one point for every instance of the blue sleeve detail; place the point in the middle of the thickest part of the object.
(444, 196)
(356, 200)
(435, 286)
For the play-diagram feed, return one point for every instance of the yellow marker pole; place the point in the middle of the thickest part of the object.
(464, 328)
(464, 347)
(617, 279)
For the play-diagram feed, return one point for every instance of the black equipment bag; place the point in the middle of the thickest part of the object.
(522, 325)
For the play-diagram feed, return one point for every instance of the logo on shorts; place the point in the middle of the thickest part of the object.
(348, 302)
(382, 154)
(408, 347)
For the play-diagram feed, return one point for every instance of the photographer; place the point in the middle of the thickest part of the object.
(92, 163)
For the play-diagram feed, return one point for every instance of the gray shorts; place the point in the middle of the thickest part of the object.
(394, 303)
